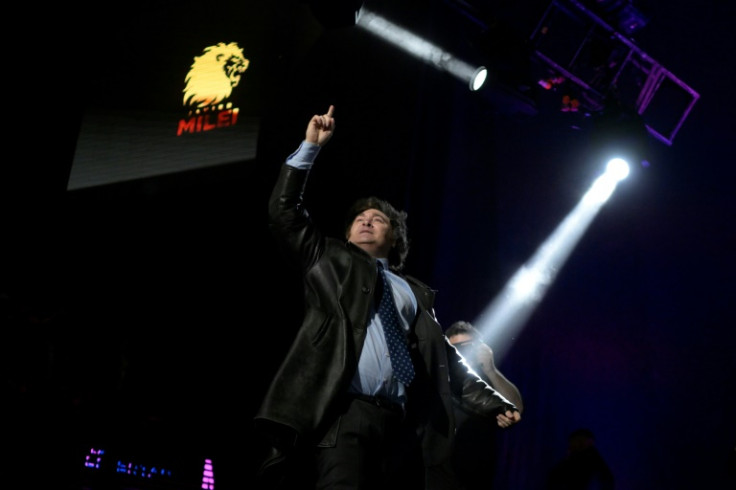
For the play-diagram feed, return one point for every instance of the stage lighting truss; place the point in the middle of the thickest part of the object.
(578, 48)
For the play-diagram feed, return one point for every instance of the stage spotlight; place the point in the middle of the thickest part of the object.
(478, 78)
(402, 38)
(617, 169)
(509, 311)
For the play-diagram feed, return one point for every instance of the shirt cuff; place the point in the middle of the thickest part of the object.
(304, 156)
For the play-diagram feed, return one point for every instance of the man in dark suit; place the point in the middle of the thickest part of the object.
(337, 397)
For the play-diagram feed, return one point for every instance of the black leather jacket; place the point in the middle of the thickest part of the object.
(339, 281)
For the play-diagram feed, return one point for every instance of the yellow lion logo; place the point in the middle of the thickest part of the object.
(213, 75)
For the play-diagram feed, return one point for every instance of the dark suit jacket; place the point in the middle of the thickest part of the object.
(339, 285)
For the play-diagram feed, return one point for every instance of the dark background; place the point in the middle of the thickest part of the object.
(147, 317)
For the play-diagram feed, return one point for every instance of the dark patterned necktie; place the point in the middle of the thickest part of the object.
(397, 349)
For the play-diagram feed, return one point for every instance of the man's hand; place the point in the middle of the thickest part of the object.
(320, 128)
(508, 419)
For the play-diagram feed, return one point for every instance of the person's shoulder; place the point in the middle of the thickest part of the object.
(341, 248)
(416, 282)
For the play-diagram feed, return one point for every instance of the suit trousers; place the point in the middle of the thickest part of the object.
(375, 449)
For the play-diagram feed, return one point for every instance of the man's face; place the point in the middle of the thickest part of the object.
(371, 230)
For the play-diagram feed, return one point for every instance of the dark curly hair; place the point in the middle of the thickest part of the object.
(462, 327)
(398, 253)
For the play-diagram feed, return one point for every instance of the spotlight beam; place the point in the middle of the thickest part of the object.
(503, 319)
(401, 38)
